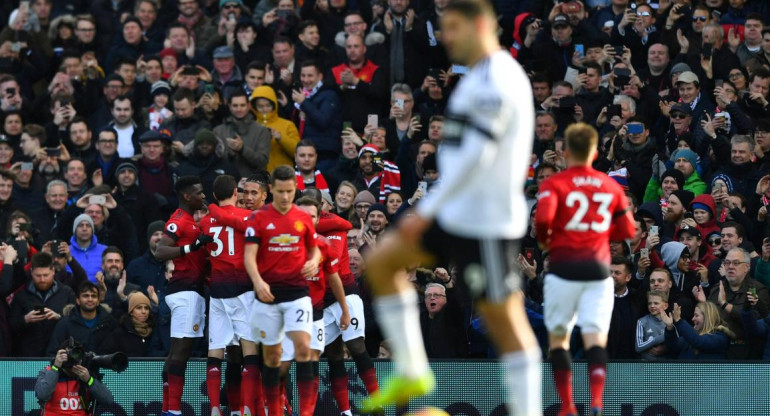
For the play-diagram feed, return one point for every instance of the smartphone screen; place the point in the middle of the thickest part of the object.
(529, 254)
(347, 125)
(580, 50)
(373, 120)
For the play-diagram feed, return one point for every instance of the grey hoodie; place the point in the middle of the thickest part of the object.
(671, 252)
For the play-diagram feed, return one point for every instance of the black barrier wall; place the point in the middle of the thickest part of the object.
(468, 388)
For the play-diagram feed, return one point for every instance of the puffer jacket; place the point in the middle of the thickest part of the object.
(125, 339)
(73, 325)
(281, 151)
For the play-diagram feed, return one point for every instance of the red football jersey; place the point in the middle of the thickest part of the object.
(579, 211)
(189, 269)
(284, 243)
(328, 266)
(228, 274)
(335, 229)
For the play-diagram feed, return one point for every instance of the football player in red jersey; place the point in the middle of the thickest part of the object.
(182, 242)
(579, 212)
(335, 229)
(230, 305)
(280, 255)
(327, 278)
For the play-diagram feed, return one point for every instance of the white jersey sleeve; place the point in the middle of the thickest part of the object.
(484, 158)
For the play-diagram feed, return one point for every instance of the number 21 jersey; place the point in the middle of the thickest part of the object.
(579, 211)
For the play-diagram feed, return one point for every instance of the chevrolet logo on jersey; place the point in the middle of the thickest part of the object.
(284, 240)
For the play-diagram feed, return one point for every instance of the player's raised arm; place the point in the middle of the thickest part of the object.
(228, 219)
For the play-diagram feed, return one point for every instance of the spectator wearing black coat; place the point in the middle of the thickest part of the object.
(147, 270)
(38, 307)
(107, 15)
(443, 327)
(87, 321)
(131, 44)
(205, 158)
(134, 333)
(140, 206)
(320, 114)
(625, 313)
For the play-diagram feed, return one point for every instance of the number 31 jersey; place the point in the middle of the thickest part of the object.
(579, 211)
(228, 274)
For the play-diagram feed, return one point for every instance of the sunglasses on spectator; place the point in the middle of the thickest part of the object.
(715, 242)
(643, 14)
(230, 6)
(735, 75)
(678, 116)
(701, 18)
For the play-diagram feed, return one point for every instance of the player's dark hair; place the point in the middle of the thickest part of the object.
(283, 173)
(625, 261)
(183, 184)
(112, 250)
(42, 260)
(738, 228)
(308, 201)
(581, 138)
(87, 286)
(261, 178)
(471, 9)
(223, 187)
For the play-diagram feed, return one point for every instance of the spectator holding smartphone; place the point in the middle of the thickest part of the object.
(38, 306)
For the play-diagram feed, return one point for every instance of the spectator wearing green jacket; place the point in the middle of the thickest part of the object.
(685, 161)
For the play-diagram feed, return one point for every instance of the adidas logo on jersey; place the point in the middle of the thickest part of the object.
(271, 226)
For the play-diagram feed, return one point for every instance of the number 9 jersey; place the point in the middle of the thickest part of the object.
(579, 211)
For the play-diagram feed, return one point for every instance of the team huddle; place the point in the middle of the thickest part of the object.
(274, 282)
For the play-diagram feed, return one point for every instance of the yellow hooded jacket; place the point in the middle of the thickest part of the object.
(281, 151)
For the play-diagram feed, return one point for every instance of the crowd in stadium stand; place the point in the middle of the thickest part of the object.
(105, 103)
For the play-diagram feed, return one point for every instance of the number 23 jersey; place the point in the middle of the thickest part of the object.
(579, 211)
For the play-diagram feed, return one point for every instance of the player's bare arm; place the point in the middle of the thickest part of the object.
(261, 288)
(339, 295)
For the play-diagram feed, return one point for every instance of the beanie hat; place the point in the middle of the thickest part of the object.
(135, 299)
(687, 154)
(167, 52)
(205, 135)
(154, 227)
(677, 175)
(685, 197)
(79, 219)
(369, 148)
(126, 165)
(377, 207)
(223, 2)
(364, 196)
(160, 87)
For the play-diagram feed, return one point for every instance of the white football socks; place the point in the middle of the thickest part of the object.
(523, 377)
(399, 319)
